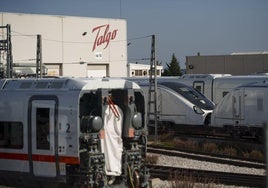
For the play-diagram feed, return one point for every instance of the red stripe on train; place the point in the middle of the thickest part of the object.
(17, 156)
(42, 158)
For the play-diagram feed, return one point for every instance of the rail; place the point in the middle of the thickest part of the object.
(222, 159)
(169, 173)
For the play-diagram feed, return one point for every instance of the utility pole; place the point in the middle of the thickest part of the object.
(152, 97)
(39, 72)
(6, 46)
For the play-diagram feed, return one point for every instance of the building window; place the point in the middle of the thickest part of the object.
(138, 72)
(11, 135)
(42, 128)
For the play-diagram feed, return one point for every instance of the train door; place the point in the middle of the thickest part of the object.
(238, 105)
(199, 86)
(42, 140)
(159, 107)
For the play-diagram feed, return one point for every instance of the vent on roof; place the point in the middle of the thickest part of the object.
(41, 85)
(25, 85)
(56, 85)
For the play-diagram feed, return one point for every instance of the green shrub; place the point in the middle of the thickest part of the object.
(254, 154)
(229, 151)
(210, 147)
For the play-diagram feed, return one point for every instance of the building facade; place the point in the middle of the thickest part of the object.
(71, 46)
(235, 64)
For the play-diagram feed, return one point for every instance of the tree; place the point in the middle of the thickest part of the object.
(172, 69)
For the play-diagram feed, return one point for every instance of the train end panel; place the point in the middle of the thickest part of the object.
(121, 138)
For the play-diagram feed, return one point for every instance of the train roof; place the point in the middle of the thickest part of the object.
(239, 80)
(243, 77)
(65, 83)
(203, 76)
(262, 84)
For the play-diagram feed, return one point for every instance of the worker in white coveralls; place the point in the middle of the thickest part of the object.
(112, 144)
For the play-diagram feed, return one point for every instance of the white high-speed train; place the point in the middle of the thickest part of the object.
(72, 132)
(179, 104)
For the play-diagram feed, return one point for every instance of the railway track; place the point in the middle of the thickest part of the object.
(169, 173)
(197, 132)
(222, 159)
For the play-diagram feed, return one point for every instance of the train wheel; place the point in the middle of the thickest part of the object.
(136, 179)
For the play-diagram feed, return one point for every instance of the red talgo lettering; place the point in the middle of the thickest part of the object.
(103, 36)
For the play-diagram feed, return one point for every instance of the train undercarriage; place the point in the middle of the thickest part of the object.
(91, 171)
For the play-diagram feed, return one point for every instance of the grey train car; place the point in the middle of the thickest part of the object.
(243, 111)
(72, 132)
(216, 86)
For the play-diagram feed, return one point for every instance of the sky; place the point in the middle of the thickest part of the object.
(182, 27)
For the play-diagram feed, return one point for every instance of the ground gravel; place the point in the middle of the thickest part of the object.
(202, 165)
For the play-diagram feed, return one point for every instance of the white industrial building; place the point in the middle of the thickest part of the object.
(71, 46)
(142, 70)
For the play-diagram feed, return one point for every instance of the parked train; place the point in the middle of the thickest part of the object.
(216, 86)
(72, 132)
(244, 110)
(178, 104)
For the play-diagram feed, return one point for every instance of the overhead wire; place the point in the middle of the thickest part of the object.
(77, 42)
(62, 41)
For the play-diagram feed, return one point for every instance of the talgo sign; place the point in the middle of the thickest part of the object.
(103, 36)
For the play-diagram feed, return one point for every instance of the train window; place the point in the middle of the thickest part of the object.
(224, 93)
(42, 128)
(11, 135)
(198, 88)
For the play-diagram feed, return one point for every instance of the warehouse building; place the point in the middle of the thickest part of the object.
(235, 64)
(142, 70)
(71, 46)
